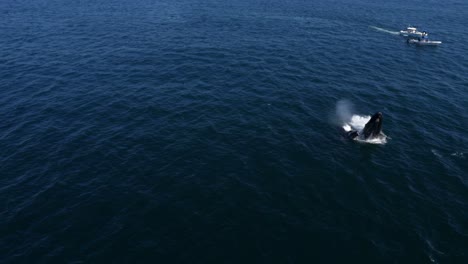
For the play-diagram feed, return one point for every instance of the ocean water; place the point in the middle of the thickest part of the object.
(210, 131)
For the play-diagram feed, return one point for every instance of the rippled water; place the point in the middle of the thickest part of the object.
(205, 131)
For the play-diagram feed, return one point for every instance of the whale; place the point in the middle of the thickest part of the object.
(372, 129)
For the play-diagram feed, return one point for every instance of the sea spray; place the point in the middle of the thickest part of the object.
(344, 111)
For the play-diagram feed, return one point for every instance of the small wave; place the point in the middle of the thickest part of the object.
(436, 153)
(445, 154)
(458, 154)
(385, 30)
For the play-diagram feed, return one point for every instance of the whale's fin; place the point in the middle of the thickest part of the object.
(373, 128)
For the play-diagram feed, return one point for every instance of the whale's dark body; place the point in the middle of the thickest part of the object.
(372, 129)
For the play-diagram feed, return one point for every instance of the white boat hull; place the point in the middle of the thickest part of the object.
(405, 33)
(425, 42)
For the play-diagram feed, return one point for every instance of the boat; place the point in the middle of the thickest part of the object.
(411, 32)
(424, 42)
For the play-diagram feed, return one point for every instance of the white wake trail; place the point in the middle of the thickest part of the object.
(385, 30)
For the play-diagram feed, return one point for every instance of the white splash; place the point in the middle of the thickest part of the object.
(358, 123)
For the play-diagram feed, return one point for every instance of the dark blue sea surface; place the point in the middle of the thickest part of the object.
(160, 131)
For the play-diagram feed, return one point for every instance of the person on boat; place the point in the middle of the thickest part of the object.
(424, 36)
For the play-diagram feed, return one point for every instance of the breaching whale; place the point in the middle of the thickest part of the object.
(373, 128)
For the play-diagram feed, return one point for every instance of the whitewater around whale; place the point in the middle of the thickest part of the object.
(357, 123)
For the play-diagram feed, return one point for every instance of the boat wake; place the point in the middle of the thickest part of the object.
(385, 30)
